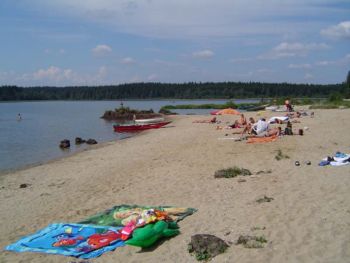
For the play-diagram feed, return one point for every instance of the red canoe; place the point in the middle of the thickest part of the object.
(139, 127)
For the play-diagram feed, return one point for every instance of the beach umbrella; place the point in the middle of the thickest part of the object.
(228, 111)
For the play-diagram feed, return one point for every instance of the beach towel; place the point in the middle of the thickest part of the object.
(262, 139)
(118, 215)
(230, 138)
(76, 240)
(339, 159)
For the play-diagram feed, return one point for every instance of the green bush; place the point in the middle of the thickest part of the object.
(232, 172)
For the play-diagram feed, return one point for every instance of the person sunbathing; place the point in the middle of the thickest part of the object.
(242, 121)
(213, 120)
(236, 124)
(268, 133)
(293, 114)
(248, 126)
(278, 119)
(274, 131)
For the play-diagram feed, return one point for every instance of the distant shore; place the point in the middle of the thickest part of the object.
(307, 220)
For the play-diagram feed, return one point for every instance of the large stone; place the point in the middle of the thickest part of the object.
(206, 246)
(65, 144)
(79, 140)
(91, 141)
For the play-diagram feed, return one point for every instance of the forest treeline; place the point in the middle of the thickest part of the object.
(222, 90)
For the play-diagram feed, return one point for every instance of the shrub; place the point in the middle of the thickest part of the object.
(232, 172)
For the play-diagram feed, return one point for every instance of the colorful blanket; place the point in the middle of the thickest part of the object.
(77, 240)
(120, 215)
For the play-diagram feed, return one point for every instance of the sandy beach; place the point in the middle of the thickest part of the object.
(308, 219)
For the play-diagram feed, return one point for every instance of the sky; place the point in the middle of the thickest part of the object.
(107, 42)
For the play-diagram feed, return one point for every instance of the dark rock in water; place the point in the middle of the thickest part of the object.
(65, 144)
(206, 247)
(24, 185)
(79, 140)
(91, 141)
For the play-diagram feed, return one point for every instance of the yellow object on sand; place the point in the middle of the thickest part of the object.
(261, 112)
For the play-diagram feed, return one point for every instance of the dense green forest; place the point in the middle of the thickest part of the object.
(192, 90)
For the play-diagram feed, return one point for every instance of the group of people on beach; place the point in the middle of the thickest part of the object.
(262, 128)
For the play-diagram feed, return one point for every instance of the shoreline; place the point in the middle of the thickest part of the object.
(306, 221)
(68, 155)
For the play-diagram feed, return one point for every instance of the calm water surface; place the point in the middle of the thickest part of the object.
(35, 138)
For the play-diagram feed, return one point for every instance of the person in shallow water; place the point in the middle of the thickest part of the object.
(19, 117)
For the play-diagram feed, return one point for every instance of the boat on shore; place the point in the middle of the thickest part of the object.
(139, 127)
(151, 120)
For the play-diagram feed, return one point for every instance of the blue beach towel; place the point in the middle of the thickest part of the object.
(76, 240)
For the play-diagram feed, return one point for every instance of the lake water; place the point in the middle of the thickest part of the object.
(35, 138)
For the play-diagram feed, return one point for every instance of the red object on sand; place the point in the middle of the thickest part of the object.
(139, 127)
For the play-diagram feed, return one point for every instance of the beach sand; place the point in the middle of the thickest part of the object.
(308, 219)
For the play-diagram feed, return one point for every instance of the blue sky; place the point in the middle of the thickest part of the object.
(93, 42)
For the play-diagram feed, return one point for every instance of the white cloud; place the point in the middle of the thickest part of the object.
(240, 60)
(197, 18)
(308, 76)
(128, 60)
(295, 49)
(152, 77)
(168, 63)
(52, 73)
(265, 70)
(101, 50)
(342, 30)
(205, 54)
(324, 63)
(60, 77)
(338, 62)
(102, 73)
(299, 66)
(135, 79)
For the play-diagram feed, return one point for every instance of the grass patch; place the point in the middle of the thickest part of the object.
(264, 172)
(205, 247)
(332, 103)
(232, 172)
(255, 228)
(264, 199)
(324, 107)
(279, 156)
(229, 104)
(252, 241)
